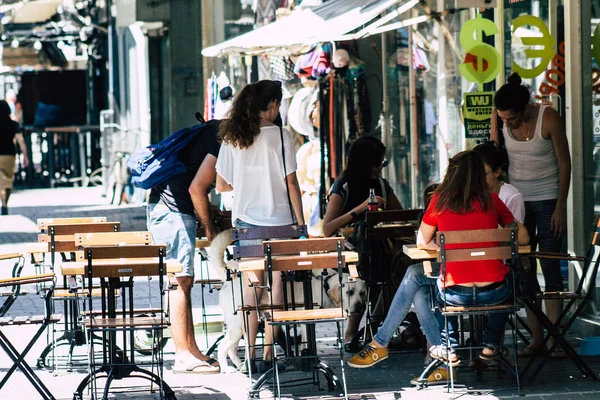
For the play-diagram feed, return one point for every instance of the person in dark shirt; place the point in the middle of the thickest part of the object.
(8, 133)
(348, 199)
(171, 220)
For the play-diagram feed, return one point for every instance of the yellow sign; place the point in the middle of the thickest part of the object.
(482, 61)
(546, 42)
(477, 110)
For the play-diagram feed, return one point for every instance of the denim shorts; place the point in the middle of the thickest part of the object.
(177, 231)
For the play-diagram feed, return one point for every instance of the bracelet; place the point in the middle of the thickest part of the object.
(353, 215)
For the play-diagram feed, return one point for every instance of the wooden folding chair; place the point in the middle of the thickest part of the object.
(15, 290)
(576, 301)
(247, 258)
(116, 266)
(59, 236)
(470, 250)
(18, 358)
(298, 257)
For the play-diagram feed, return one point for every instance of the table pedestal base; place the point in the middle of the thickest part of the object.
(121, 372)
(315, 366)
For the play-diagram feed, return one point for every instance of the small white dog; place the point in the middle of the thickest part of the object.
(230, 295)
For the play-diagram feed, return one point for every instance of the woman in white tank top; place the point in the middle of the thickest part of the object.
(540, 168)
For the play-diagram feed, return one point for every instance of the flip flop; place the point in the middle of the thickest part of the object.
(499, 352)
(212, 362)
(197, 367)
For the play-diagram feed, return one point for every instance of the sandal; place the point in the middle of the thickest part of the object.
(498, 352)
(212, 362)
(446, 355)
(195, 367)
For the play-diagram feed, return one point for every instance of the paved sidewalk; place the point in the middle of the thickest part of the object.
(388, 380)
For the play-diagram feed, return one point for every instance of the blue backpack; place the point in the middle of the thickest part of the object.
(157, 163)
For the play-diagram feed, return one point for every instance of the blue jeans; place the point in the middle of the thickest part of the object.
(177, 231)
(494, 329)
(538, 216)
(414, 288)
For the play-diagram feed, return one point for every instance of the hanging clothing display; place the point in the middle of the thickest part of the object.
(219, 95)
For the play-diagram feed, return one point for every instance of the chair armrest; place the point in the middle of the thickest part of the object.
(253, 278)
(428, 270)
(556, 256)
(353, 272)
(9, 256)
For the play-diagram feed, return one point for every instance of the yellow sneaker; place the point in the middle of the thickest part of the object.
(368, 357)
(437, 377)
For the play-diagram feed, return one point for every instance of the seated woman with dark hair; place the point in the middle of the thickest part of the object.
(461, 202)
(348, 200)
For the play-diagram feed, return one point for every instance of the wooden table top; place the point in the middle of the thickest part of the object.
(415, 253)
(260, 263)
(78, 267)
(37, 247)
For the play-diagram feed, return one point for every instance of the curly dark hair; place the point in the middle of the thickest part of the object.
(464, 182)
(243, 123)
(512, 96)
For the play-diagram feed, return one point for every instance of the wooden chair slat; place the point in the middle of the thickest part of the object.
(23, 280)
(136, 311)
(267, 232)
(113, 238)
(39, 247)
(42, 223)
(305, 263)
(9, 256)
(295, 246)
(463, 309)
(478, 254)
(263, 307)
(475, 236)
(125, 251)
(307, 315)
(63, 293)
(71, 229)
(31, 320)
(116, 268)
(151, 322)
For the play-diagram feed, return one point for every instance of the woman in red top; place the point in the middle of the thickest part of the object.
(461, 202)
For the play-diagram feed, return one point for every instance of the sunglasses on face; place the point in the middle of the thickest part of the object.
(384, 163)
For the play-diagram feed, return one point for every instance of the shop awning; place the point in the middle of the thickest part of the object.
(334, 20)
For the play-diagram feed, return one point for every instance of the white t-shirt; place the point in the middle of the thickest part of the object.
(513, 199)
(257, 177)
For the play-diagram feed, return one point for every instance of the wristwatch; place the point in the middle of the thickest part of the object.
(353, 215)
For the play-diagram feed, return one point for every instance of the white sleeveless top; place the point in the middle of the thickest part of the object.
(533, 166)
